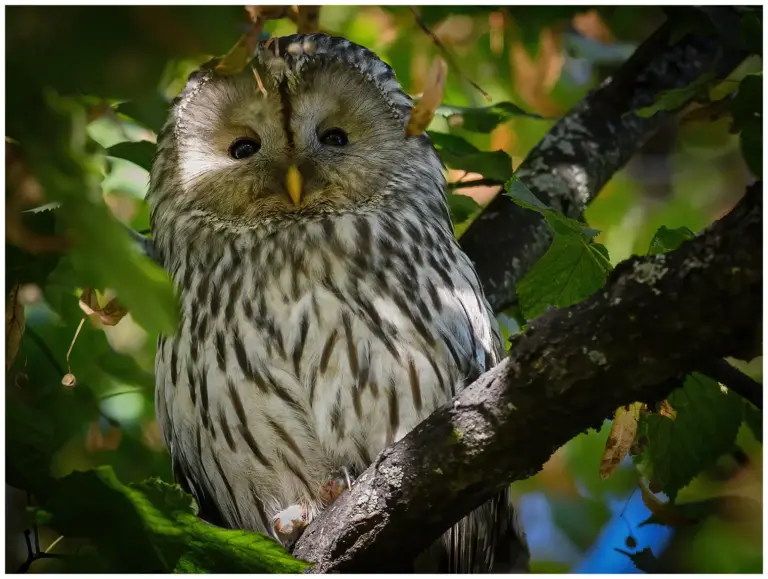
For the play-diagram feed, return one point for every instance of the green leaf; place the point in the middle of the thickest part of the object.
(667, 239)
(151, 111)
(457, 153)
(747, 110)
(572, 270)
(747, 106)
(152, 527)
(753, 416)
(751, 142)
(40, 420)
(524, 197)
(69, 168)
(644, 560)
(705, 426)
(139, 152)
(462, 207)
(673, 99)
(751, 31)
(485, 119)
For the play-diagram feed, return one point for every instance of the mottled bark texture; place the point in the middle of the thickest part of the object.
(581, 153)
(658, 317)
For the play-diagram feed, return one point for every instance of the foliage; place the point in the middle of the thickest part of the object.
(88, 90)
(159, 523)
(573, 268)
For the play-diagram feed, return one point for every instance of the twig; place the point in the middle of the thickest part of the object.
(473, 183)
(59, 370)
(734, 379)
(446, 54)
(35, 554)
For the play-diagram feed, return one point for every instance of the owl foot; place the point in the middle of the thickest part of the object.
(289, 524)
(332, 490)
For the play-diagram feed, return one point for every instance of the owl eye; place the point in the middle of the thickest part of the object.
(335, 137)
(243, 148)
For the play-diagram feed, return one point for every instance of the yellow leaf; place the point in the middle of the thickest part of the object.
(424, 110)
(620, 439)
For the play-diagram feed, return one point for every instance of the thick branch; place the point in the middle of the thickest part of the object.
(734, 379)
(658, 316)
(582, 152)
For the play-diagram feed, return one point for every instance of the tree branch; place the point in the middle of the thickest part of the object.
(566, 373)
(581, 153)
(735, 379)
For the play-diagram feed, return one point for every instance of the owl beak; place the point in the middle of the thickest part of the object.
(293, 183)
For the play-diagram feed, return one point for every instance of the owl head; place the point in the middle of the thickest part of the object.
(313, 125)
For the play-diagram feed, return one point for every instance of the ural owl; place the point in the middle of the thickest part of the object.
(326, 308)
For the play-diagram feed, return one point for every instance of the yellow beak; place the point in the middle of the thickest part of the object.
(293, 184)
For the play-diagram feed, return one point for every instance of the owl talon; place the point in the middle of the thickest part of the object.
(289, 524)
(333, 489)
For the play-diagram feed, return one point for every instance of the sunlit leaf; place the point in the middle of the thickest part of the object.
(670, 100)
(571, 271)
(573, 268)
(484, 119)
(458, 153)
(667, 239)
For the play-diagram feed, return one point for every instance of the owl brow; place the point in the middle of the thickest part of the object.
(285, 100)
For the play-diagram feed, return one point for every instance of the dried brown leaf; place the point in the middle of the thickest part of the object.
(112, 313)
(667, 411)
(14, 325)
(620, 439)
(423, 111)
(109, 314)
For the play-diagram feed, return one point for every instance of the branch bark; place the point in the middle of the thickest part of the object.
(581, 153)
(566, 373)
(734, 379)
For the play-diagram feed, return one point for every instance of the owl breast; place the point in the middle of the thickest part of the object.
(312, 349)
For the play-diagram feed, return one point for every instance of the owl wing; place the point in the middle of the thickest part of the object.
(490, 539)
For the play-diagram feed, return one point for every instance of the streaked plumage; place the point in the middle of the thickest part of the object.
(312, 336)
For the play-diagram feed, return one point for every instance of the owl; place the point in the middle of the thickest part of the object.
(326, 308)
